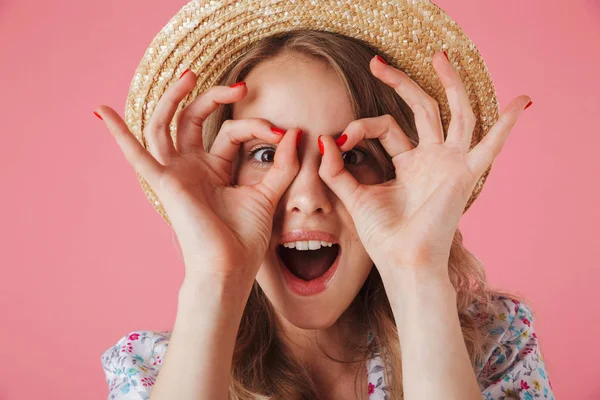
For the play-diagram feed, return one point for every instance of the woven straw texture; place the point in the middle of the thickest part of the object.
(209, 36)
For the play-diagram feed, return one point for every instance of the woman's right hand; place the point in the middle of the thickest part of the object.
(223, 230)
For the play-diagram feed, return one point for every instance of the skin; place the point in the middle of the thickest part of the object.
(294, 91)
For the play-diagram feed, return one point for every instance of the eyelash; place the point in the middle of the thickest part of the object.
(251, 153)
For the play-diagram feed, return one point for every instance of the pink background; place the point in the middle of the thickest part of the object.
(86, 259)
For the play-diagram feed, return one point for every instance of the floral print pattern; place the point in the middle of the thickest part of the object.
(514, 368)
(517, 372)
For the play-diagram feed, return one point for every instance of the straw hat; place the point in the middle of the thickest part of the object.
(209, 36)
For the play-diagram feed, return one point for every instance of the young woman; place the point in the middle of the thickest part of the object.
(317, 211)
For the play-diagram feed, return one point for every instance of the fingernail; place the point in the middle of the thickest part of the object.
(321, 149)
(298, 138)
(184, 72)
(341, 140)
(98, 115)
(528, 104)
(446, 54)
(380, 59)
(278, 131)
(238, 84)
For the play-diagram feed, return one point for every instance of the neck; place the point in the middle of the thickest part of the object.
(311, 347)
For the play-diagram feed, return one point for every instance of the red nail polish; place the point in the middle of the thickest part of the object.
(528, 104)
(98, 115)
(446, 54)
(238, 84)
(298, 138)
(278, 131)
(341, 140)
(184, 72)
(380, 59)
(321, 149)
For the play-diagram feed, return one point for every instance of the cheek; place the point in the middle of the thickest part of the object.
(357, 251)
(268, 277)
(356, 258)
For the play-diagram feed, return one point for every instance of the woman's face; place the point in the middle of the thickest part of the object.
(295, 92)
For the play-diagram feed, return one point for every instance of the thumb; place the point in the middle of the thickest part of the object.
(335, 175)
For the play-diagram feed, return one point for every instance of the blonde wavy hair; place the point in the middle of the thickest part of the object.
(262, 369)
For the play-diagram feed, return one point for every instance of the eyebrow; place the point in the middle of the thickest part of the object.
(335, 136)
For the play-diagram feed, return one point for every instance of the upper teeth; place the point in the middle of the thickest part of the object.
(307, 244)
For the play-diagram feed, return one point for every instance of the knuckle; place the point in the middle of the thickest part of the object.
(389, 119)
(157, 126)
(465, 119)
(467, 115)
(432, 103)
(357, 125)
(427, 109)
(259, 121)
(211, 95)
(227, 125)
(233, 140)
(196, 120)
(261, 124)
(390, 123)
(213, 91)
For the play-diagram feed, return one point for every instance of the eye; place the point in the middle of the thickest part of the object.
(264, 156)
(350, 156)
(354, 157)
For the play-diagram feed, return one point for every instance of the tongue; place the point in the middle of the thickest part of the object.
(308, 264)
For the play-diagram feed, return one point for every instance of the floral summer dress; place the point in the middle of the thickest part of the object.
(132, 364)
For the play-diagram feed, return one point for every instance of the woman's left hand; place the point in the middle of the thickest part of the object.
(410, 221)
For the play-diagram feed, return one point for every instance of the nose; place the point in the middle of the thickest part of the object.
(308, 194)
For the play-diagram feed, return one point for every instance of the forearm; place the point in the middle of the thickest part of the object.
(435, 361)
(197, 363)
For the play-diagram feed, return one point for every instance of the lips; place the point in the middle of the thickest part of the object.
(305, 234)
(311, 287)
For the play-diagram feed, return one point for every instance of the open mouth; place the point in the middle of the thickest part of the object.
(308, 264)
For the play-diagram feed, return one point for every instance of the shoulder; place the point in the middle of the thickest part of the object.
(506, 318)
(509, 325)
(131, 364)
(515, 365)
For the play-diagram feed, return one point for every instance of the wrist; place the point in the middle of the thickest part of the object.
(406, 285)
(203, 338)
(231, 293)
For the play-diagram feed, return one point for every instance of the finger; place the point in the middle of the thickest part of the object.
(157, 132)
(483, 155)
(285, 167)
(425, 109)
(234, 132)
(462, 121)
(191, 118)
(335, 175)
(384, 127)
(141, 160)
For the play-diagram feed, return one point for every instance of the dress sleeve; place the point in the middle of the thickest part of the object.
(132, 364)
(515, 368)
